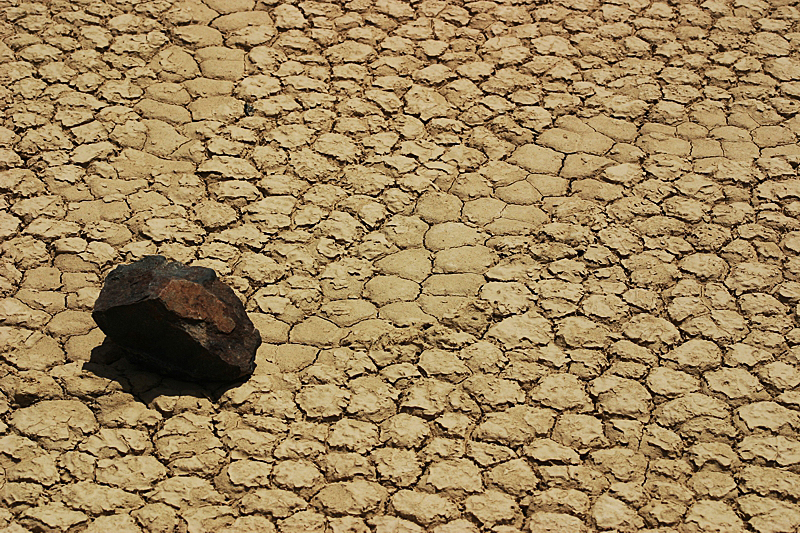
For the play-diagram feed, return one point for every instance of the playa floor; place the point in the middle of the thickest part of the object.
(517, 266)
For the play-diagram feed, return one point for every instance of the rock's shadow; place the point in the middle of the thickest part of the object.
(111, 361)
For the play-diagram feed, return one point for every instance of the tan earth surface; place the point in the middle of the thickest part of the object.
(518, 266)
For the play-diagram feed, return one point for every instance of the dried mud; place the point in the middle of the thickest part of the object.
(518, 266)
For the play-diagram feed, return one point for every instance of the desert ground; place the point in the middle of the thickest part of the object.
(517, 266)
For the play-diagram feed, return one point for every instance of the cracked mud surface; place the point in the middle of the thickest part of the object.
(517, 266)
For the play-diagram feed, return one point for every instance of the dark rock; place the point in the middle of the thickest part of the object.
(178, 320)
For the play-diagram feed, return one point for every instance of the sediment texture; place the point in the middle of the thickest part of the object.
(517, 266)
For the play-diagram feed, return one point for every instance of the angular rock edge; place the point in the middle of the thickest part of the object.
(179, 320)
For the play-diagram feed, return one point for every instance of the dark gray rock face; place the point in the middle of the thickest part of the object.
(178, 320)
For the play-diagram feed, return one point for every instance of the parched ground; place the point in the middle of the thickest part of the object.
(518, 266)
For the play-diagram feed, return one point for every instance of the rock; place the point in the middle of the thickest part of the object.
(179, 320)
